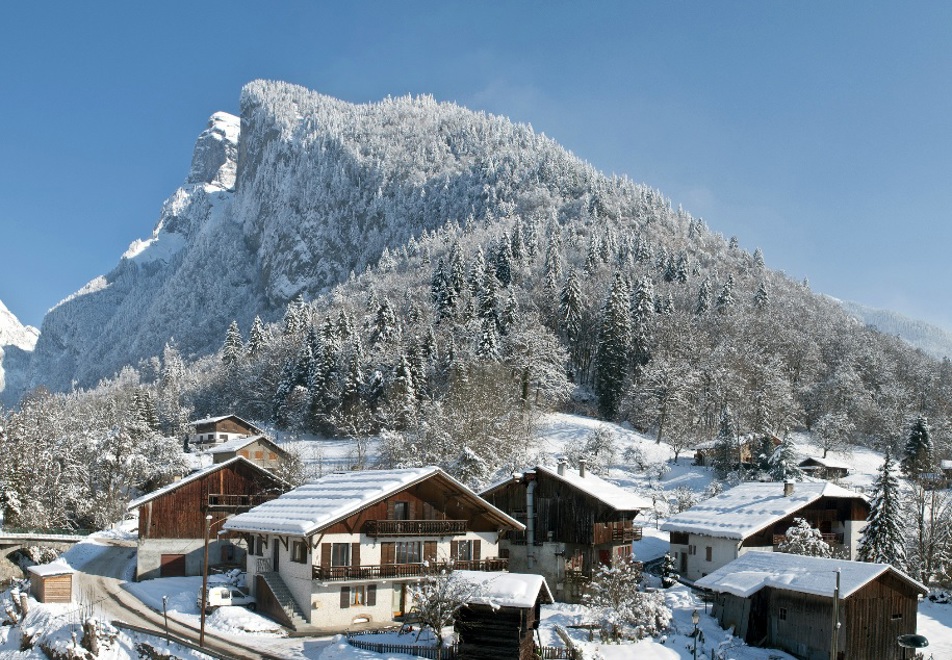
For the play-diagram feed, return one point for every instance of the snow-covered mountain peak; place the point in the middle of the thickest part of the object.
(216, 152)
(14, 333)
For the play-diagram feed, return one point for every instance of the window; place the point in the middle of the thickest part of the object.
(401, 510)
(783, 613)
(708, 553)
(340, 554)
(692, 549)
(356, 596)
(897, 616)
(222, 436)
(299, 552)
(407, 552)
(464, 550)
(679, 538)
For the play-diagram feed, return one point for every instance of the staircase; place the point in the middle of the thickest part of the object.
(295, 617)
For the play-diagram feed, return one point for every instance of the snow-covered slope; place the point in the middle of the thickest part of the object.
(16, 344)
(294, 197)
(931, 339)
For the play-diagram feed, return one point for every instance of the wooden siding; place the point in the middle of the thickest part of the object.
(228, 425)
(180, 513)
(52, 588)
(504, 633)
(828, 514)
(569, 514)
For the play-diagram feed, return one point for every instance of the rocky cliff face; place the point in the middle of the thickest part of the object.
(16, 343)
(293, 197)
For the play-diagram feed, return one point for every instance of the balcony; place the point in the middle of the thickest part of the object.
(220, 502)
(385, 571)
(375, 528)
(617, 532)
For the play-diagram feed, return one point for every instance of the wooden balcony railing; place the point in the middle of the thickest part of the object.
(220, 502)
(829, 539)
(375, 528)
(402, 570)
(616, 532)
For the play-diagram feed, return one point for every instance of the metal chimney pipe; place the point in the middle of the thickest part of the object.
(582, 463)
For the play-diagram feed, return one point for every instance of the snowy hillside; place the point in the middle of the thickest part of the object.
(16, 343)
(931, 339)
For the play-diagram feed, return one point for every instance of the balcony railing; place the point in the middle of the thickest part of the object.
(829, 539)
(375, 528)
(222, 502)
(334, 573)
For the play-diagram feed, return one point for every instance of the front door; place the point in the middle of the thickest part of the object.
(398, 599)
(275, 554)
(684, 562)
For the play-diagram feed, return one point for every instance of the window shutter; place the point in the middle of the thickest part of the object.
(454, 550)
(355, 554)
(325, 555)
(476, 544)
(371, 595)
(344, 597)
(388, 552)
(429, 550)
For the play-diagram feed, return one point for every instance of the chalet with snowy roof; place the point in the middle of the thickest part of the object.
(258, 449)
(348, 546)
(500, 622)
(216, 430)
(824, 468)
(786, 601)
(574, 521)
(747, 449)
(172, 519)
(755, 516)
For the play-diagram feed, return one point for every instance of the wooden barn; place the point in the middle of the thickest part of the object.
(51, 583)
(172, 519)
(786, 601)
(500, 623)
(575, 521)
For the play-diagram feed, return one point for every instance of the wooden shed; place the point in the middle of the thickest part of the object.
(786, 601)
(51, 583)
(499, 624)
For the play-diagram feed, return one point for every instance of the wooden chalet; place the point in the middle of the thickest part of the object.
(747, 449)
(500, 623)
(756, 516)
(786, 601)
(574, 521)
(824, 468)
(258, 449)
(348, 546)
(216, 430)
(172, 519)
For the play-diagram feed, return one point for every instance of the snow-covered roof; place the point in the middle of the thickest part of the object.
(198, 474)
(238, 443)
(332, 498)
(945, 464)
(213, 420)
(614, 496)
(825, 462)
(502, 589)
(53, 568)
(755, 570)
(748, 508)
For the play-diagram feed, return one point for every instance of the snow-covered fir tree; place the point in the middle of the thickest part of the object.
(883, 537)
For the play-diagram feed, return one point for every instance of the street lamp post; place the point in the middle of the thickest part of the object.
(695, 619)
(208, 526)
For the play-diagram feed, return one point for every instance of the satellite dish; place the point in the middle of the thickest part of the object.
(913, 641)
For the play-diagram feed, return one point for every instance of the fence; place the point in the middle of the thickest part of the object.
(431, 652)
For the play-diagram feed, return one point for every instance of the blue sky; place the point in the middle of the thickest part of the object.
(819, 132)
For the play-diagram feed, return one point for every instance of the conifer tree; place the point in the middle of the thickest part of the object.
(919, 453)
(257, 337)
(762, 297)
(725, 299)
(457, 270)
(233, 348)
(726, 451)
(883, 540)
(703, 297)
(614, 338)
(642, 313)
(504, 261)
(783, 462)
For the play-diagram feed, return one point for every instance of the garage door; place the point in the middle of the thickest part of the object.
(172, 566)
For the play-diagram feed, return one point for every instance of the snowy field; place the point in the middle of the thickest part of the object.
(641, 465)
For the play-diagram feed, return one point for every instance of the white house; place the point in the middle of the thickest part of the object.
(754, 516)
(346, 547)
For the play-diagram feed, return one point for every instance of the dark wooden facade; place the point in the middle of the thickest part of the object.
(870, 619)
(827, 514)
(231, 425)
(503, 633)
(179, 512)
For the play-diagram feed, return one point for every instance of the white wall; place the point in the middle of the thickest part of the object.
(723, 551)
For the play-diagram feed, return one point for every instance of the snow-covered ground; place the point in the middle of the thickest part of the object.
(641, 465)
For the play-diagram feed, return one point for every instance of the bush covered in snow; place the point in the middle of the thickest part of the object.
(619, 607)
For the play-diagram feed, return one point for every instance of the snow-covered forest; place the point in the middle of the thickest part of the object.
(437, 278)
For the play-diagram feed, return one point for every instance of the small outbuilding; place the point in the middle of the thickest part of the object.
(51, 583)
(786, 601)
(500, 622)
(825, 468)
